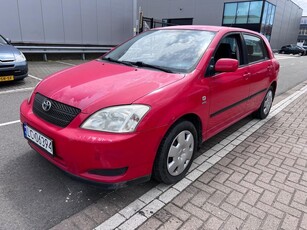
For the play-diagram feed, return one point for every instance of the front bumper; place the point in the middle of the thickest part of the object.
(81, 152)
(18, 69)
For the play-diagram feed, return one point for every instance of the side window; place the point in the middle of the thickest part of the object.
(229, 47)
(256, 50)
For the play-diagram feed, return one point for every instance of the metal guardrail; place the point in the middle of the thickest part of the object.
(63, 50)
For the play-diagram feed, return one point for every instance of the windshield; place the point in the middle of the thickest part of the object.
(176, 50)
(2, 41)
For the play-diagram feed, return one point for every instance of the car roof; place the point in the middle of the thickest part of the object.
(207, 28)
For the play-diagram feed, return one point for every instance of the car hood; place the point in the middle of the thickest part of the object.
(99, 84)
(7, 53)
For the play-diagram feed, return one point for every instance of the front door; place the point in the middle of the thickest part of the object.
(228, 91)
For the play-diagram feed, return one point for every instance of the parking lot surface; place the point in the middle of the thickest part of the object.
(260, 183)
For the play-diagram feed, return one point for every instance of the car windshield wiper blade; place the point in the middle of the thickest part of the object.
(117, 61)
(138, 64)
(142, 64)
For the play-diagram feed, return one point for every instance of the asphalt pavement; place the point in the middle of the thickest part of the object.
(292, 72)
(36, 195)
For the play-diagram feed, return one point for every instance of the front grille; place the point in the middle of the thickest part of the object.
(59, 114)
(7, 60)
(6, 66)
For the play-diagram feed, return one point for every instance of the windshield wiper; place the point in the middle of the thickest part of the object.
(142, 64)
(138, 64)
(119, 62)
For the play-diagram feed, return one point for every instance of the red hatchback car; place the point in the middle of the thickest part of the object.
(143, 109)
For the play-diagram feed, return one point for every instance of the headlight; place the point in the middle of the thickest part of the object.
(20, 57)
(118, 119)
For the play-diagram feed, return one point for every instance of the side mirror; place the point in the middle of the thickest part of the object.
(226, 65)
(8, 40)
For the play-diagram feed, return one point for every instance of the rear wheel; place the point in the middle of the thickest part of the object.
(266, 105)
(175, 153)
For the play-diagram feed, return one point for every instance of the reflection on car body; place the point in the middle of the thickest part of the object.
(142, 110)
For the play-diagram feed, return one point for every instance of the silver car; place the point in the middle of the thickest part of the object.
(13, 64)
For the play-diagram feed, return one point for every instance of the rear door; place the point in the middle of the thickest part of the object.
(260, 68)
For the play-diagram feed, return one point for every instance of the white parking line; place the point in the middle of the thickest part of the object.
(34, 77)
(9, 123)
(65, 63)
(137, 212)
(17, 90)
(21, 89)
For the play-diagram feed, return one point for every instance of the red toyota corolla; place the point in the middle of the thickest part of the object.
(142, 110)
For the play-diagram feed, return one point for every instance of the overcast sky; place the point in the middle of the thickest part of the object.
(302, 4)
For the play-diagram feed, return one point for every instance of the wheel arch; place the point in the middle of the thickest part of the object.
(159, 169)
(196, 121)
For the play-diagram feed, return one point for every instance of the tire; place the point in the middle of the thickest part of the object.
(176, 152)
(266, 105)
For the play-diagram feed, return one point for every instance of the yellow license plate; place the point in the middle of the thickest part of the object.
(7, 78)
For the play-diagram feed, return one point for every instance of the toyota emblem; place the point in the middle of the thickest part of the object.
(46, 105)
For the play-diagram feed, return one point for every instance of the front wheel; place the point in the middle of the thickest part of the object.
(266, 105)
(175, 154)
